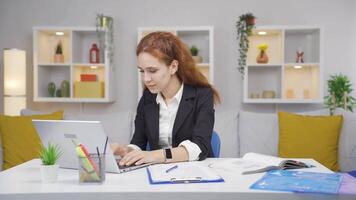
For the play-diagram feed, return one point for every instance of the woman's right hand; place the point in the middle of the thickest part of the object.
(119, 149)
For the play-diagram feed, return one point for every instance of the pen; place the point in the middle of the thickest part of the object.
(172, 168)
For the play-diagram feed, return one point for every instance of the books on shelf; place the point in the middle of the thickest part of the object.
(252, 163)
(88, 77)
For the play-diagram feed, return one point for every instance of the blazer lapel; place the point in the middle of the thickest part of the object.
(185, 107)
(152, 118)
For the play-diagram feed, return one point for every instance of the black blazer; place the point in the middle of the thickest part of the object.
(194, 120)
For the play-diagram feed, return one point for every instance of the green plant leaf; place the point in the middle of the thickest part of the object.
(49, 155)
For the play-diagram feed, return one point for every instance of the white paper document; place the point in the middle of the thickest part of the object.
(185, 172)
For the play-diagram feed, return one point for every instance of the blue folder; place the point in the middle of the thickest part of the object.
(298, 181)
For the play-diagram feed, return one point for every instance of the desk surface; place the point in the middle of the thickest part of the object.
(24, 182)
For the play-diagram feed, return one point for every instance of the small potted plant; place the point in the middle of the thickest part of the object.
(194, 51)
(58, 56)
(244, 27)
(262, 55)
(49, 156)
(339, 89)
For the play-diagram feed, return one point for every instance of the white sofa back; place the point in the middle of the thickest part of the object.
(239, 132)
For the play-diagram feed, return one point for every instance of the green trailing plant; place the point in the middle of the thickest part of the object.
(49, 155)
(339, 89)
(244, 27)
(59, 49)
(194, 50)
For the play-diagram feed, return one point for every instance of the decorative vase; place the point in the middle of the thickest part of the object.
(262, 57)
(51, 89)
(49, 173)
(65, 88)
(197, 59)
(58, 58)
(58, 93)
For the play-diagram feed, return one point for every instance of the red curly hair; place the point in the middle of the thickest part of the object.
(168, 47)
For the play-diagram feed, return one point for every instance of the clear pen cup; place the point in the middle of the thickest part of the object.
(92, 169)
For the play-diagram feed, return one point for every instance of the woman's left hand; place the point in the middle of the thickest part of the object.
(138, 157)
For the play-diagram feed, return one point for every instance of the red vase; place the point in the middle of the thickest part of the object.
(94, 54)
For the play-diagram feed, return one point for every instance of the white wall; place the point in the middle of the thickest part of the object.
(17, 17)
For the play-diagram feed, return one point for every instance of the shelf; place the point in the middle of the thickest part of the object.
(76, 42)
(263, 79)
(46, 44)
(301, 83)
(291, 81)
(51, 73)
(82, 42)
(274, 40)
(282, 101)
(307, 40)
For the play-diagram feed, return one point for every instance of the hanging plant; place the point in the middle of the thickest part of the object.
(105, 31)
(244, 27)
(339, 89)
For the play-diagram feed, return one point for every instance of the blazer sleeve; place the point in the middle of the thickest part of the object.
(204, 122)
(139, 137)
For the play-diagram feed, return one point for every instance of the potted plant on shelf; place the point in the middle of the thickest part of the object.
(262, 55)
(58, 56)
(244, 26)
(339, 89)
(194, 51)
(49, 169)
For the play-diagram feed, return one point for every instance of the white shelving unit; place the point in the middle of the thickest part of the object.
(291, 82)
(76, 43)
(200, 36)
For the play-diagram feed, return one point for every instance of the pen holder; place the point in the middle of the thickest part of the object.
(92, 169)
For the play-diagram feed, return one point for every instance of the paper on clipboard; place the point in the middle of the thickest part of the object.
(187, 172)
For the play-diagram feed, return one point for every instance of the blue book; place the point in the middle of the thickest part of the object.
(297, 181)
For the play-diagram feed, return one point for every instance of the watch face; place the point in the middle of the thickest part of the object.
(168, 154)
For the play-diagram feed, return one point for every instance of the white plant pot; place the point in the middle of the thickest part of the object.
(49, 173)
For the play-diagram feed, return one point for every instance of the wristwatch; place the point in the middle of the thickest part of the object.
(168, 154)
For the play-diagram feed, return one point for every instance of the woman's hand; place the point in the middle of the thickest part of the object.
(119, 149)
(138, 157)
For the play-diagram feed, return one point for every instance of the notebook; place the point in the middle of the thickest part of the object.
(185, 172)
(252, 163)
(297, 181)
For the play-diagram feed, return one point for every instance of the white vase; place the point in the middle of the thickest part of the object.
(49, 173)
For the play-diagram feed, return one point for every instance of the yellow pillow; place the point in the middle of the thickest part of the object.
(314, 137)
(19, 138)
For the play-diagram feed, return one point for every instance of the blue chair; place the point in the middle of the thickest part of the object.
(215, 144)
(352, 173)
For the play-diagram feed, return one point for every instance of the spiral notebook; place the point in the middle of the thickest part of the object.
(185, 172)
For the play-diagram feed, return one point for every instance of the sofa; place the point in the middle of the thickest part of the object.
(240, 132)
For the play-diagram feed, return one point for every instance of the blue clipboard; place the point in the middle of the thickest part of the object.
(182, 181)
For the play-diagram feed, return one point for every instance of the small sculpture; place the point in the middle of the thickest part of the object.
(300, 56)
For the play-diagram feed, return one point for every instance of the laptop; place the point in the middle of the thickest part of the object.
(90, 133)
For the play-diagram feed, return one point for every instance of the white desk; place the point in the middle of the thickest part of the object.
(24, 182)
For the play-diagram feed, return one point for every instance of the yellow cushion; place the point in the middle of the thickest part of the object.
(19, 138)
(314, 137)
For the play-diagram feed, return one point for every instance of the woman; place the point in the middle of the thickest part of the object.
(175, 115)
